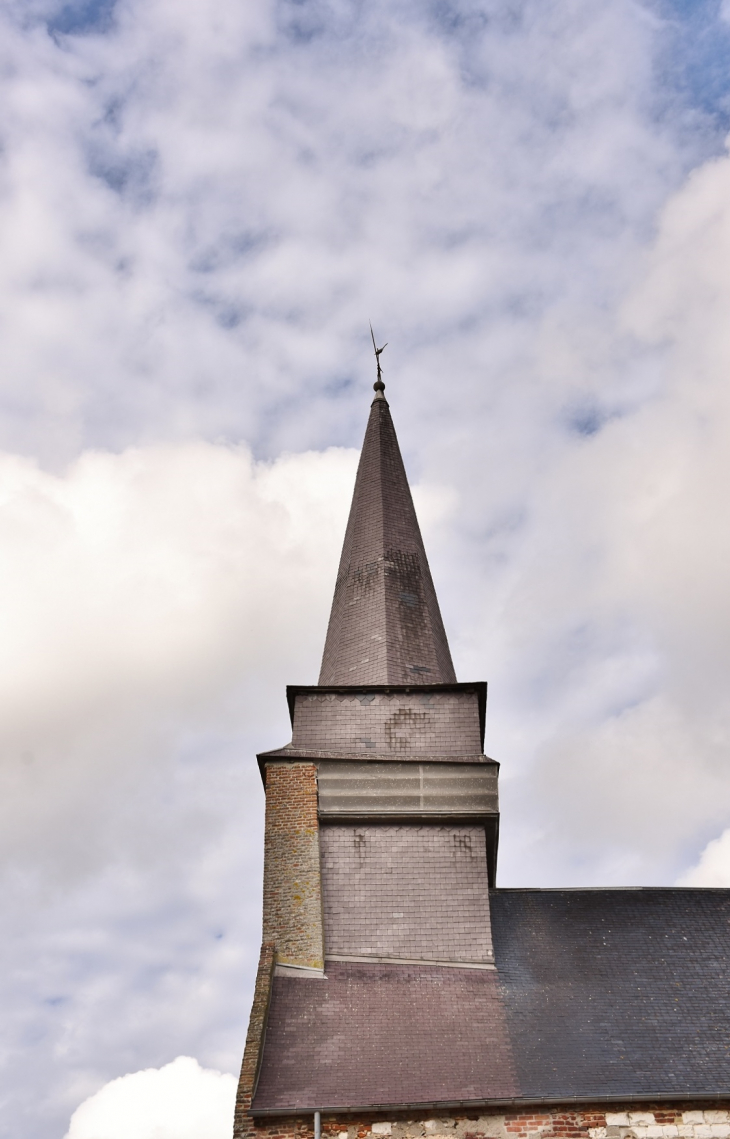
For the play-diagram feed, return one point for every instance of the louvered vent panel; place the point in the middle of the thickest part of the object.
(362, 789)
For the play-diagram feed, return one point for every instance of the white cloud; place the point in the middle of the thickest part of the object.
(713, 868)
(617, 611)
(187, 189)
(180, 1101)
(145, 588)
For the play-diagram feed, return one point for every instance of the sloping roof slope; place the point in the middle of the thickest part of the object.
(616, 992)
(598, 995)
(384, 1035)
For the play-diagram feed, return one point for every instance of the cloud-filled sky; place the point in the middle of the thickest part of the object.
(201, 207)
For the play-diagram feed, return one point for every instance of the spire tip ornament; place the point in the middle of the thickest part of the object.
(378, 386)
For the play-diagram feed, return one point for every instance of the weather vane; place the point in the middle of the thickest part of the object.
(379, 386)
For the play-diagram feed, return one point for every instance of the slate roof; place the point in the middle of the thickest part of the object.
(619, 993)
(385, 626)
(383, 1035)
(598, 995)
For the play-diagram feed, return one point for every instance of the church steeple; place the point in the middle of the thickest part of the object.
(385, 626)
(380, 847)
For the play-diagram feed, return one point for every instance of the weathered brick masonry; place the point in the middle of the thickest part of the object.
(292, 918)
(648, 1122)
(242, 1123)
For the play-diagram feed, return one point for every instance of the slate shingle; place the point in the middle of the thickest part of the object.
(384, 1035)
(616, 992)
(385, 626)
(406, 891)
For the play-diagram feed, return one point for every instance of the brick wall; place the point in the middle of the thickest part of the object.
(406, 891)
(440, 723)
(242, 1125)
(292, 885)
(639, 1122)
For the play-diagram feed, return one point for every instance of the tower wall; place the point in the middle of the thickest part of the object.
(390, 721)
(406, 892)
(292, 919)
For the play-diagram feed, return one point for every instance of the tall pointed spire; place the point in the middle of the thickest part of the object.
(385, 626)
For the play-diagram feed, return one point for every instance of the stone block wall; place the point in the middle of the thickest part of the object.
(639, 1122)
(709, 1123)
(292, 918)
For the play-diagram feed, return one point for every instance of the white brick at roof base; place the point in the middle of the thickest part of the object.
(642, 1125)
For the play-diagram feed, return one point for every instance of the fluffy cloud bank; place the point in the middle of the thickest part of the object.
(618, 589)
(221, 197)
(133, 570)
(180, 1101)
(713, 868)
(681, 308)
(163, 585)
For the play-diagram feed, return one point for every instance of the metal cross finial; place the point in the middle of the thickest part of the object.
(378, 386)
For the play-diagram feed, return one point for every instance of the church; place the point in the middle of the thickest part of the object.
(400, 991)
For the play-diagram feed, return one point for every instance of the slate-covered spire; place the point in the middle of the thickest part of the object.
(385, 626)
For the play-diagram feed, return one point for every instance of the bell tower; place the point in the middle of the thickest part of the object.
(381, 842)
(399, 992)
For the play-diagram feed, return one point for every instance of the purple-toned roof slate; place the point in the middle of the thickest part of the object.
(385, 626)
(383, 1035)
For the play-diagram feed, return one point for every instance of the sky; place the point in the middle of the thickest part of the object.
(201, 208)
